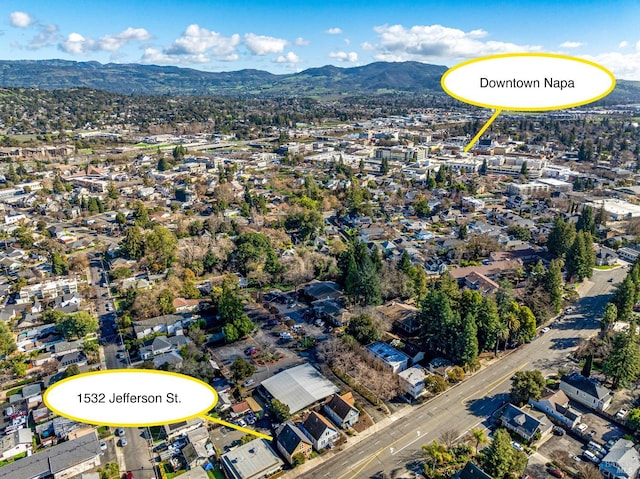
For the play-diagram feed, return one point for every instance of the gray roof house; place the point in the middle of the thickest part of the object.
(67, 459)
(622, 461)
(253, 460)
(291, 441)
(518, 421)
(556, 405)
(586, 391)
(321, 432)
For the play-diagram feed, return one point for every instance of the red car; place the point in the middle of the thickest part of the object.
(129, 475)
(555, 472)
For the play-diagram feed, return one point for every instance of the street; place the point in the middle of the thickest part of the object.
(469, 403)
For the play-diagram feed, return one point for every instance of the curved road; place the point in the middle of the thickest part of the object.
(469, 404)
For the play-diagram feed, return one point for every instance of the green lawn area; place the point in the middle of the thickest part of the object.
(9, 461)
(215, 474)
(605, 267)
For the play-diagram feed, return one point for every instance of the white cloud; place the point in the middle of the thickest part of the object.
(47, 35)
(116, 41)
(196, 41)
(20, 19)
(351, 57)
(625, 66)
(623, 44)
(427, 42)
(77, 44)
(347, 41)
(333, 31)
(366, 46)
(290, 58)
(301, 42)
(571, 44)
(263, 45)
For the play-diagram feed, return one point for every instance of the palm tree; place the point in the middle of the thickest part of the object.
(436, 453)
(479, 436)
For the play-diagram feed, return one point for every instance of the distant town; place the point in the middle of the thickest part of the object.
(348, 279)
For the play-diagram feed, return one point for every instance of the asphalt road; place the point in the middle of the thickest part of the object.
(392, 450)
(135, 456)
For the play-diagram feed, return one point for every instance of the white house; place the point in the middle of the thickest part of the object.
(320, 431)
(556, 406)
(389, 356)
(412, 381)
(341, 410)
(622, 461)
(586, 391)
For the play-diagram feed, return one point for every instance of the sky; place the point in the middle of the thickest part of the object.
(285, 37)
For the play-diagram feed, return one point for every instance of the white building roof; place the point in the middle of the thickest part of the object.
(299, 387)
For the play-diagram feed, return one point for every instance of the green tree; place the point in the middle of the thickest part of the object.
(421, 207)
(553, 284)
(280, 410)
(581, 258)
(24, 237)
(121, 219)
(297, 459)
(624, 298)
(112, 191)
(609, 317)
(165, 302)
(7, 342)
(588, 365)
(484, 167)
(404, 264)
(524, 169)
(519, 232)
(500, 460)
(488, 323)
(241, 369)
(77, 325)
(468, 342)
(586, 221)
(479, 436)
(363, 329)
(163, 164)
(160, 248)
(72, 370)
(435, 455)
(435, 384)
(133, 243)
(304, 223)
(622, 366)
(633, 419)
(140, 214)
(179, 152)
(384, 166)
(59, 264)
(561, 237)
(527, 385)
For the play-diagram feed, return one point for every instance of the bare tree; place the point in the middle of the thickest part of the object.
(448, 437)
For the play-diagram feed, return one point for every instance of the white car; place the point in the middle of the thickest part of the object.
(622, 413)
(582, 427)
(544, 330)
(516, 446)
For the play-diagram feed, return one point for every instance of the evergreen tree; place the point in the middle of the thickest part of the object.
(484, 167)
(609, 317)
(163, 164)
(404, 264)
(588, 365)
(581, 257)
(553, 284)
(499, 459)
(586, 221)
(488, 323)
(624, 298)
(384, 166)
(622, 365)
(468, 346)
(524, 170)
(561, 237)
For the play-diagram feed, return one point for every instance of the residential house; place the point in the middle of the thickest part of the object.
(172, 358)
(78, 358)
(478, 282)
(341, 410)
(176, 429)
(317, 290)
(18, 442)
(556, 405)
(170, 324)
(322, 433)
(440, 366)
(606, 256)
(412, 381)
(403, 316)
(388, 356)
(586, 391)
(524, 425)
(161, 345)
(290, 440)
(332, 311)
(196, 452)
(471, 471)
(62, 461)
(621, 462)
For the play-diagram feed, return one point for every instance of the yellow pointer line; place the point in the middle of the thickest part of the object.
(498, 381)
(235, 426)
(482, 130)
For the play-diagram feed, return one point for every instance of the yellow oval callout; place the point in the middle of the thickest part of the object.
(528, 82)
(130, 398)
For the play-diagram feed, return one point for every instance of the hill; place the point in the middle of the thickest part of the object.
(374, 78)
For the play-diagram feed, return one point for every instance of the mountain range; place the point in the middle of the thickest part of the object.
(374, 78)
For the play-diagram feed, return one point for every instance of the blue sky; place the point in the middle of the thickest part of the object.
(283, 37)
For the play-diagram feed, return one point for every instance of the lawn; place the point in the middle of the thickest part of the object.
(605, 267)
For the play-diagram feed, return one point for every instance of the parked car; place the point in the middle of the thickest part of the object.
(555, 472)
(103, 445)
(610, 280)
(576, 458)
(591, 457)
(516, 446)
(582, 427)
(286, 336)
(248, 383)
(120, 431)
(544, 330)
(558, 431)
(250, 350)
(129, 475)
(622, 413)
(123, 441)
